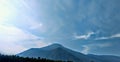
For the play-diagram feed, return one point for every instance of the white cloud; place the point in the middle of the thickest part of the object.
(12, 32)
(86, 36)
(109, 37)
(102, 38)
(116, 35)
(10, 35)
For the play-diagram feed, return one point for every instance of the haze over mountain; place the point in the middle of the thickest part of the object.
(59, 52)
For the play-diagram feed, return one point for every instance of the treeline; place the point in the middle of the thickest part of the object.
(13, 58)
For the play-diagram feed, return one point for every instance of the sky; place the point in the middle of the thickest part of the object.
(86, 26)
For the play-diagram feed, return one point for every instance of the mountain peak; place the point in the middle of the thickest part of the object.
(56, 45)
(53, 46)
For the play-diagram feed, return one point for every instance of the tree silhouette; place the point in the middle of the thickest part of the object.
(13, 58)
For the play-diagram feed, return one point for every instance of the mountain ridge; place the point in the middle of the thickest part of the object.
(59, 52)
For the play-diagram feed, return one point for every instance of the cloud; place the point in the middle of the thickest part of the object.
(103, 45)
(11, 48)
(116, 35)
(89, 47)
(86, 49)
(35, 25)
(109, 37)
(10, 35)
(102, 38)
(12, 32)
(86, 36)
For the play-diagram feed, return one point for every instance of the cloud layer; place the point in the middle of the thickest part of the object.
(86, 36)
(11, 35)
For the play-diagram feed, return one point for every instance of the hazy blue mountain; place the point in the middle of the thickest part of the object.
(105, 58)
(59, 52)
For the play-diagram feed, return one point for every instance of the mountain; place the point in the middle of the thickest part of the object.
(105, 58)
(59, 52)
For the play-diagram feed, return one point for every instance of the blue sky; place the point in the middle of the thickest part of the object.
(87, 26)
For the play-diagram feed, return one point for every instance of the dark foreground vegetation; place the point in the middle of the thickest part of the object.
(13, 58)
